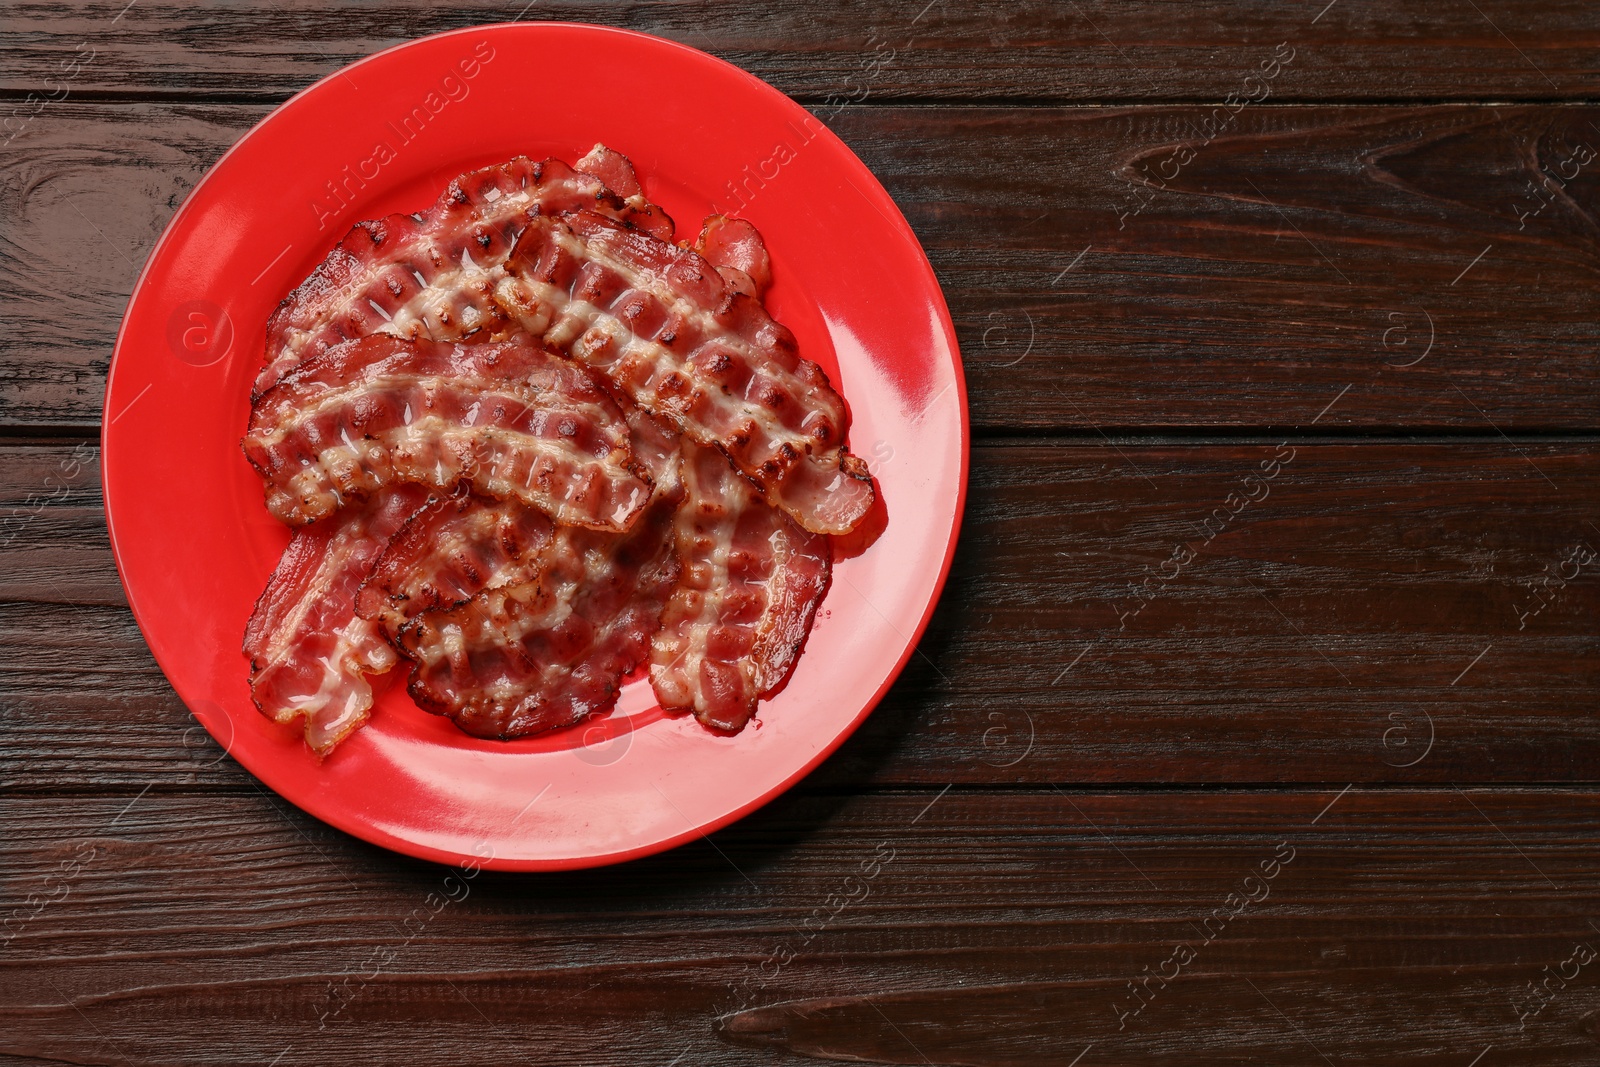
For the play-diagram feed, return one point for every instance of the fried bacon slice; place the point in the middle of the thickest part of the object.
(449, 551)
(615, 171)
(423, 275)
(510, 420)
(751, 581)
(661, 323)
(309, 652)
(736, 249)
(523, 657)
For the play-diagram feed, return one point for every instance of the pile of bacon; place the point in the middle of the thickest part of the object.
(528, 444)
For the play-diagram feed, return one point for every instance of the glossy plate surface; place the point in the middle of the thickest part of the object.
(195, 544)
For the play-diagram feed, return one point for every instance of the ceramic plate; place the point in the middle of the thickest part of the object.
(195, 544)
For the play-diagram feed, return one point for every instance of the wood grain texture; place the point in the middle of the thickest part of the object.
(1431, 259)
(988, 929)
(1370, 617)
(1244, 512)
(1125, 268)
(938, 50)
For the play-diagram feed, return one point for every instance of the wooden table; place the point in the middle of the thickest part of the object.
(1256, 723)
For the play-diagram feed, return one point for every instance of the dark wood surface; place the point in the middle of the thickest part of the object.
(1382, 281)
(944, 50)
(1323, 634)
(1310, 248)
(1000, 928)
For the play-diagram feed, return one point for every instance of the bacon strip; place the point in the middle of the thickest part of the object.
(517, 626)
(509, 419)
(615, 172)
(661, 324)
(736, 249)
(681, 339)
(448, 552)
(309, 653)
(524, 658)
(423, 275)
(740, 613)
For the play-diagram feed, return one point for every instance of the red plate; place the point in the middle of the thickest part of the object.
(195, 544)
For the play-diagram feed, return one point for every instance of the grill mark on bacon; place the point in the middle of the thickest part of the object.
(659, 321)
(522, 659)
(427, 275)
(510, 420)
(309, 652)
(449, 551)
(750, 584)
(526, 657)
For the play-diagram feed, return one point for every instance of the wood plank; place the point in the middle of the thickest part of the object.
(1401, 252)
(1303, 250)
(1383, 612)
(992, 928)
(1144, 49)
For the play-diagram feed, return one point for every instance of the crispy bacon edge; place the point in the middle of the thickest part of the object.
(750, 586)
(507, 419)
(309, 653)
